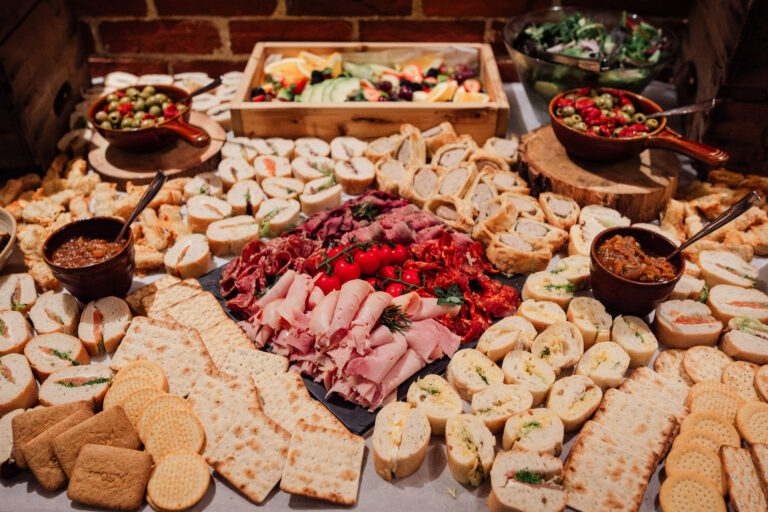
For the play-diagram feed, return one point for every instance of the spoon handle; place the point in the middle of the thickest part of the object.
(744, 204)
(212, 85)
(157, 182)
(687, 109)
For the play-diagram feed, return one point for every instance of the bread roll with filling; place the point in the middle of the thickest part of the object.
(605, 363)
(746, 340)
(438, 136)
(452, 210)
(686, 323)
(311, 147)
(421, 184)
(470, 371)
(245, 197)
(435, 396)
(498, 402)
(53, 351)
(222, 114)
(205, 184)
(451, 155)
(541, 313)
(725, 267)
(355, 175)
(535, 374)
(280, 147)
(505, 148)
(728, 301)
(189, 257)
(636, 338)
(575, 269)
(561, 345)
(15, 332)
(55, 312)
(512, 254)
(480, 192)
(271, 167)
(88, 382)
(308, 169)
(574, 399)
(527, 207)
(320, 194)
(203, 210)
(602, 215)
(561, 211)
(383, 147)
(496, 215)
(17, 292)
(456, 181)
(18, 389)
(103, 324)
(539, 233)
(535, 430)
(488, 161)
(510, 333)
(277, 215)
(411, 150)
(689, 287)
(400, 440)
(657, 229)
(228, 236)
(526, 481)
(510, 182)
(692, 269)
(590, 317)
(232, 170)
(545, 285)
(282, 188)
(347, 148)
(579, 243)
(390, 175)
(470, 447)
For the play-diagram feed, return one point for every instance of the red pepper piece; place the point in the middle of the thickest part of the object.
(299, 87)
(639, 127)
(627, 131)
(259, 97)
(624, 100)
(171, 111)
(582, 92)
(149, 116)
(124, 108)
(119, 94)
(605, 131)
(582, 104)
(563, 102)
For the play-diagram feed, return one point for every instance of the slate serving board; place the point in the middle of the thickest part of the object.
(356, 418)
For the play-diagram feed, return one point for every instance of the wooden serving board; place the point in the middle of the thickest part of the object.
(639, 187)
(177, 160)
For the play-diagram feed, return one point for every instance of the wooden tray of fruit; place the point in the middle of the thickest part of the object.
(368, 90)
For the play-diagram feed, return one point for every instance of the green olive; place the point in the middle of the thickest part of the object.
(625, 115)
(582, 126)
(567, 111)
(127, 122)
(112, 97)
(124, 99)
(638, 118)
(163, 97)
(138, 104)
(112, 106)
(570, 96)
(568, 121)
(629, 109)
(155, 110)
(115, 117)
(652, 124)
(576, 118)
(100, 116)
(559, 112)
(148, 123)
(139, 115)
(600, 103)
(152, 100)
(150, 90)
(595, 130)
(106, 124)
(159, 120)
(165, 105)
(617, 131)
(132, 92)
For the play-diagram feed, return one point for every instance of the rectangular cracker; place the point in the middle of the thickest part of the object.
(324, 464)
(760, 458)
(315, 413)
(39, 452)
(665, 385)
(198, 312)
(134, 299)
(220, 400)
(744, 485)
(30, 424)
(167, 297)
(251, 455)
(110, 428)
(284, 398)
(644, 391)
(259, 365)
(602, 477)
(223, 337)
(177, 350)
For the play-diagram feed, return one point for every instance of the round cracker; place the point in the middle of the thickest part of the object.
(670, 364)
(179, 480)
(709, 385)
(741, 376)
(158, 405)
(700, 438)
(698, 459)
(705, 363)
(714, 423)
(119, 391)
(172, 431)
(752, 422)
(689, 492)
(135, 402)
(724, 403)
(145, 368)
(761, 382)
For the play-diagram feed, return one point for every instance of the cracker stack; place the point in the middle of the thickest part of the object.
(631, 431)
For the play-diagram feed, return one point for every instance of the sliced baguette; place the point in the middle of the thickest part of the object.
(347, 148)
(728, 301)
(355, 175)
(17, 292)
(574, 399)
(725, 267)
(636, 338)
(605, 363)
(53, 351)
(688, 287)
(545, 285)
(510, 333)
(277, 215)
(282, 187)
(204, 210)
(308, 169)
(18, 389)
(400, 440)
(103, 324)
(189, 257)
(55, 312)
(245, 197)
(206, 184)
(232, 170)
(435, 396)
(280, 147)
(541, 313)
(88, 382)
(561, 345)
(470, 371)
(590, 317)
(746, 340)
(227, 237)
(470, 447)
(320, 194)
(535, 430)
(686, 323)
(15, 332)
(311, 147)
(498, 402)
(535, 374)
(513, 492)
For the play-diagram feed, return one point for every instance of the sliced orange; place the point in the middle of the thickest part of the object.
(462, 96)
(442, 91)
(286, 69)
(431, 60)
(334, 62)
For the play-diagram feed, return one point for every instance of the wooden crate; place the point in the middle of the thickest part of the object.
(43, 67)
(363, 119)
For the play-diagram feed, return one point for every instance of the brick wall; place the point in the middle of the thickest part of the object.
(172, 36)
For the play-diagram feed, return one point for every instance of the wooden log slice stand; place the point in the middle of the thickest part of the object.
(177, 160)
(639, 187)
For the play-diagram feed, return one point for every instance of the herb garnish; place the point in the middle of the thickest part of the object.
(528, 427)
(65, 356)
(481, 373)
(568, 288)
(365, 211)
(452, 296)
(395, 319)
(703, 295)
(527, 477)
(265, 229)
(98, 380)
(545, 352)
(18, 306)
(431, 390)
(2, 327)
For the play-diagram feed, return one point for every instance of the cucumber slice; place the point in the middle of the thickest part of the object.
(317, 92)
(344, 88)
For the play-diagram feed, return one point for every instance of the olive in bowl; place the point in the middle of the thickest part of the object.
(85, 257)
(133, 109)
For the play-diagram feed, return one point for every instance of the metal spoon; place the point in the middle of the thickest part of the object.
(744, 204)
(212, 85)
(157, 183)
(687, 109)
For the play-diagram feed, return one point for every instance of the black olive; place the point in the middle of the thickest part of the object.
(416, 86)
(317, 77)
(256, 91)
(432, 72)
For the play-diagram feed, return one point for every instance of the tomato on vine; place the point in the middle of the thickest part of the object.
(328, 283)
(346, 271)
(368, 261)
(399, 254)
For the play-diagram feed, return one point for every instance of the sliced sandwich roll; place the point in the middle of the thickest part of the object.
(228, 236)
(688, 287)
(526, 481)
(659, 230)
(245, 197)
(725, 267)
(574, 399)
(55, 312)
(277, 215)
(535, 374)
(271, 167)
(561, 345)
(541, 313)
(282, 188)
(452, 210)
(686, 323)
(561, 211)
(311, 147)
(18, 389)
(527, 207)
(545, 285)
(439, 401)
(438, 136)
(575, 269)
(15, 332)
(498, 402)
(400, 440)
(605, 363)
(347, 148)
(232, 170)
(578, 242)
(421, 185)
(222, 114)
(512, 254)
(590, 317)
(728, 301)
(17, 292)
(279, 146)
(88, 382)
(455, 181)
(540, 233)
(383, 147)
(470, 447)
(602, 215)
(308, 169)
(204, 184)
(450, 155)
(320, 194)
(746, 340)
(505, 148)
(535, 430)
(510, 333)
(189, 257)
(470, 371)
(203, 210)
(390, 175)
(355, 174)
(636, 338)
(50, 352)
(103, 324)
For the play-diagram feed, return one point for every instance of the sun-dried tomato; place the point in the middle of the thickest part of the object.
(584, 103)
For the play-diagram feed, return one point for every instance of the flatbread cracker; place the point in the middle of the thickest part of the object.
(221, 338)
(179, 480)
(167, 297)
(197, 312)
(699, 438)
(760, 458)
(744, 485)
(761, 382)
(284, 398)
(710, 385)
(134, 299)
(259, 365)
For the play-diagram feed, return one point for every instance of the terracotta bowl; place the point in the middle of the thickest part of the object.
(112, 277)
(624, 296)
(7, 224)
(144, 140)
(612, 149)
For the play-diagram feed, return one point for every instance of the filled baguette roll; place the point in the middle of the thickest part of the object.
(347, 148)
(261, 146)
(455, 181)
(320, 194)
(510, 182)
(602, 215)
(400, 440)
(279, 146)
(438, 136)
(512, 254)
(103, 324)
(222, 114)
(204, 184)
(245, 197)
(156, 79)
(50, 352)
(561, 211)
(540, 233)
(575, 269)
(591, 319)
(232, 170)
(536, 375)
(383, 147)
(746, 340)
(535, 430)
(688, 287)
(605, 363)
(18, 389)
(282, 188)
(574, 399)
(204, 102)
(439, 401)
(120, 79)
(15, 332)
(189, 257)
(17, 292)
(451, 155)
(505, 148)
(88, 382)
(498, 402)
(526, 481)
(686, 323)
(452, 210)
(725, 267)
(470, 371)
(203, 210)
(227, 237)
(510, 333)
(470, 447)
(560, 345)
(311, 147)
(308, 169)
(636, 338)
(541, 313)
(545, 285)
(390, 175)
(728, 301)
(240, 147)
(421, 184)
(692, 269)
(527, 207)
(271, 167)
(355, 174)
(486, 160)
(578, 242)
(657, 229)
(277, 215)
(55, 312)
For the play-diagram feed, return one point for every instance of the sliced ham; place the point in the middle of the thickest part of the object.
(422, 339)
(366, 318)
(377, 364)
(380, 336)
(293, 306)
(428, 308)
(351, 296)
(447, 341)
(409, 303)
(279, 290)
(270, 315)
(315, 296)
(407, 365)
(320, 321)
(264, 334)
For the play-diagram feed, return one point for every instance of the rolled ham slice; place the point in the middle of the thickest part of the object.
(315, 296)
(428, 308)
(431, 340)
(367, 317)
(271, 316)
(279, 290)
(294, 304)
(351, 296)
(380, 336)
(407, 365)
(375, 366)
(322, 315)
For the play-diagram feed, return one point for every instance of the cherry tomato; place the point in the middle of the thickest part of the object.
(328, 283)
(373, 282)
(346, 271)
(354, 252)
(368, 261)
(388, 272)
(333, 251)
(395, 289)
(411, 277)
(384, 253)
(399, 254)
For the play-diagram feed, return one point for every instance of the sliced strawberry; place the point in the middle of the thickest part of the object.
(412, 72)
(472, 85)
(372, 94)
